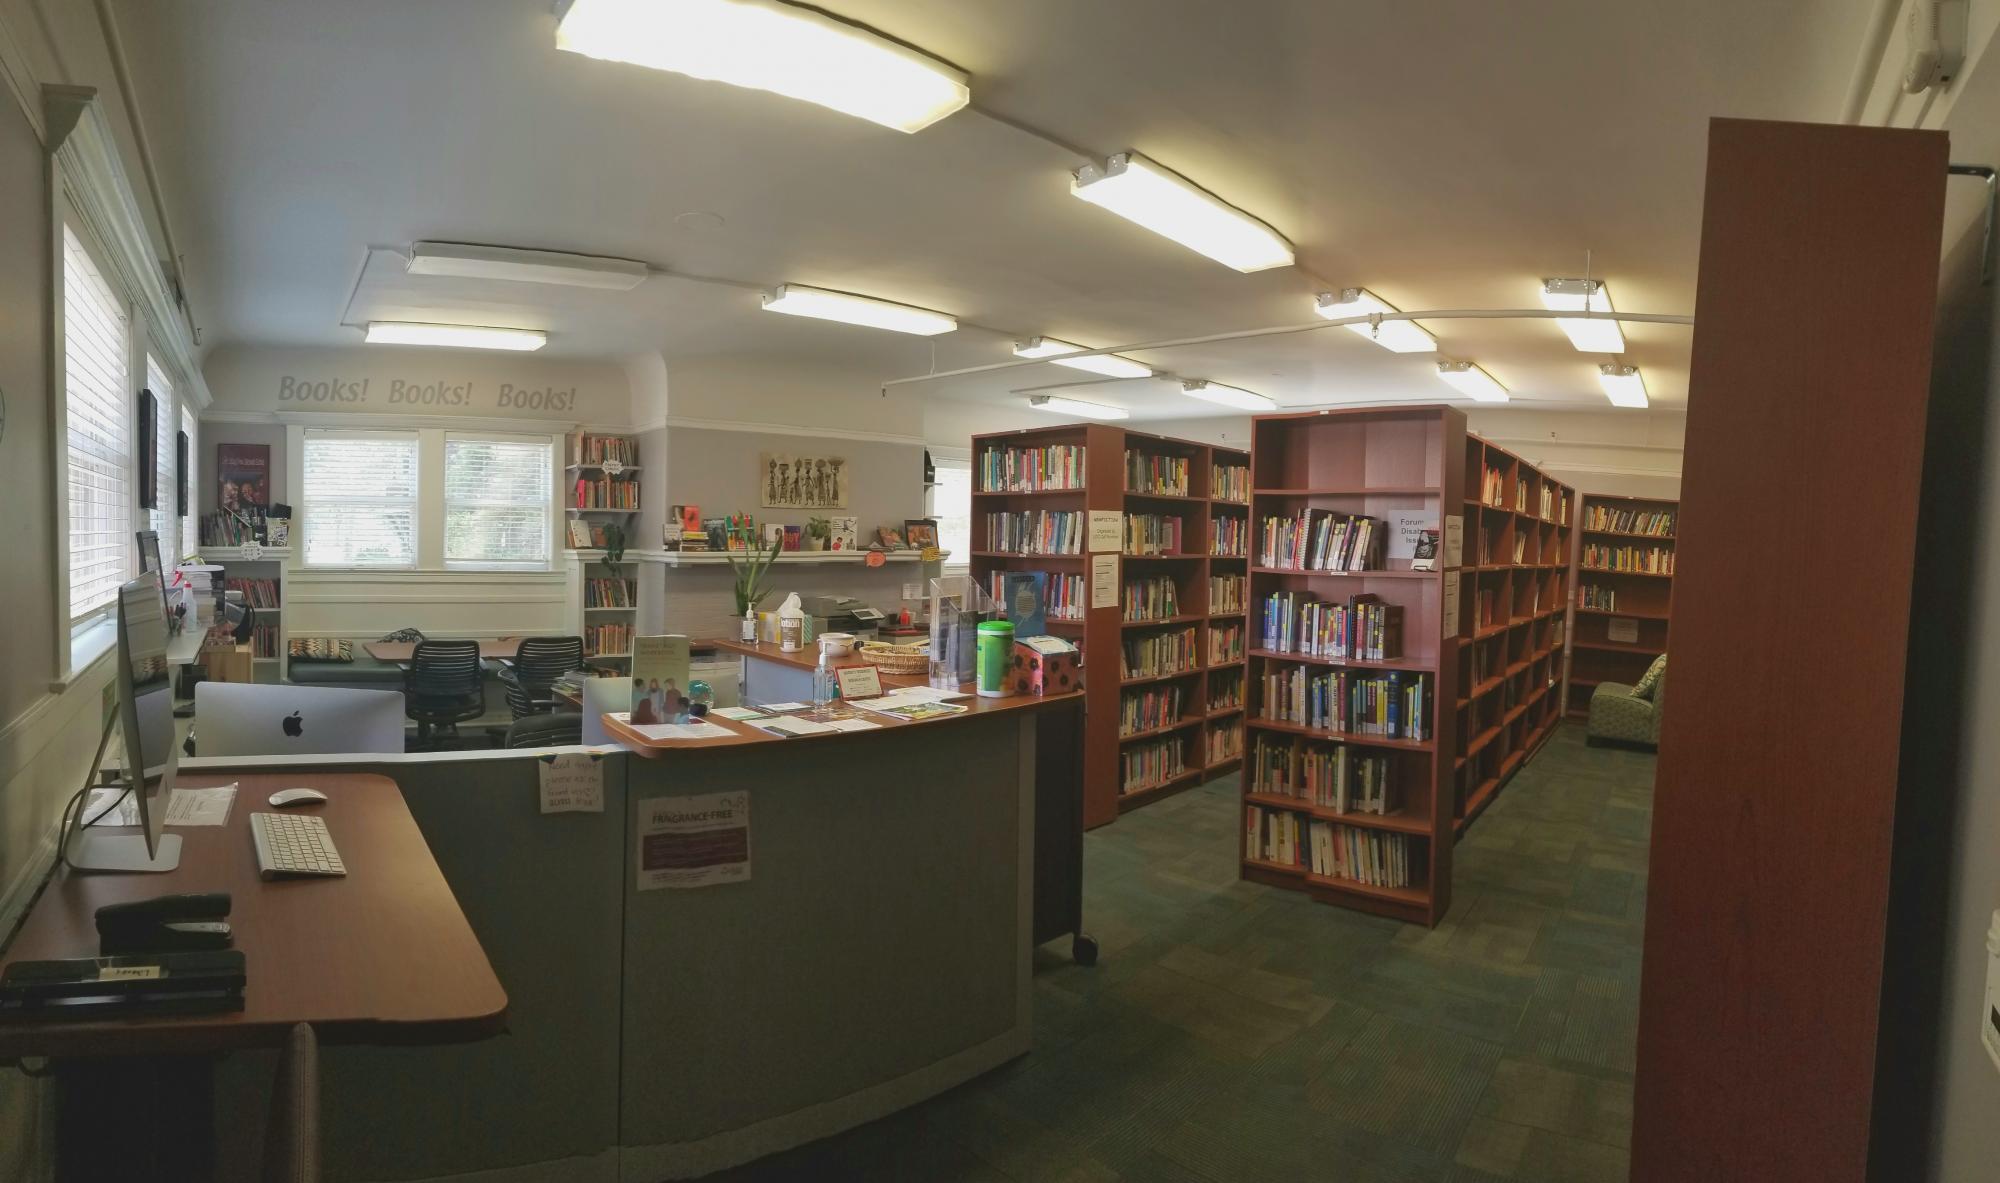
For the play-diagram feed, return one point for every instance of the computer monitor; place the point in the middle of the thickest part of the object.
(146, 719)
(149, 563)
(240, 719)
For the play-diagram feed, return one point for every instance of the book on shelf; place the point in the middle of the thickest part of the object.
(1226, 643)
(1062, 595)
(607, 640)
(609, 593)
(1151, 763)
(1149, 708)
(1520, 548)
(1367, 857)
(605, 493)
(1036, 532)
(1655, 560)
(591, 448)
(1228, 535)
(1023, 596)
(1031, 469)
(1361, 629)
(1223, 741)
(1391, 705)
(261, 594)
(1594, 596)
(1492, 486)
(1322, 540)
(1225, 689)
(1152, 472)
(1272, 836)
(1657, 523)
(1230, 482)
(1158, 654)
(1152, 534)
(1329, 775)
(1227, 592)
(1152, 597)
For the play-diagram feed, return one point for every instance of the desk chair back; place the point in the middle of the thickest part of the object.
(539, 662)
(443, 686)
(560, 729)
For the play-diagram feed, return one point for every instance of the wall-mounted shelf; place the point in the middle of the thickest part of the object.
(234, 554)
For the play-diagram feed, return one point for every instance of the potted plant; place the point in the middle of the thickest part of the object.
(614, 542)
(818, 532)
(751, 575)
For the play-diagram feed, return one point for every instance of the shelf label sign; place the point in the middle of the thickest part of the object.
(1454, 540)
(1104, 581)
(1107, 530)
(1450, 605)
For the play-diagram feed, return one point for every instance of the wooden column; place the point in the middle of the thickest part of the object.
(1778, 762)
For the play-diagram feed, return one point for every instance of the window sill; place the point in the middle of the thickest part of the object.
(87, 647)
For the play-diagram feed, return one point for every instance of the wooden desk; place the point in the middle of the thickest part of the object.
(400, 652)
(381, 955)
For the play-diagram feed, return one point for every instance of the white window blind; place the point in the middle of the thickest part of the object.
(360, 500)
(951, 505)
(99, 410)
(191, 524)
(163, 455)
(498, 495)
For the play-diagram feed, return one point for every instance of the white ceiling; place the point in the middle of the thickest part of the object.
(1446, 154)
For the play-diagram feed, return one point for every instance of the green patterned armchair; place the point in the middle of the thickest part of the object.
(1630, 714)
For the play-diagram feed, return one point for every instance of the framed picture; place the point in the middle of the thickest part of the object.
(920, 533)
(149, 454)
(181, 473)
(802, 482)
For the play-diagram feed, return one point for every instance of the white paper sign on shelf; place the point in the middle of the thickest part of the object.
(1107, 530)
(1454, 540)
(1449, 609)
(1622, 630)
(696, 841)
(572, 782)
(1404, 526)
(1104, 581)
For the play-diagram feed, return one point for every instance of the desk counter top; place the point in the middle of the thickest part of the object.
(745, 733)
(380, 955)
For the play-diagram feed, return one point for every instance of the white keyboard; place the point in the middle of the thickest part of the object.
(294, 844)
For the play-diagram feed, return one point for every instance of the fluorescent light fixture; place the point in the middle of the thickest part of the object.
(1623, 385)
(1471, 381)
(764, 45)
(1228, 396)
(1170, 205)
(1397, 336)
(820, 304)
(1590, 335)
(401, 332)
(1110, 365)
(460, 260)
(1057, 405)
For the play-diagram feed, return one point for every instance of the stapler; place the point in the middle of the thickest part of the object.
(165, 924)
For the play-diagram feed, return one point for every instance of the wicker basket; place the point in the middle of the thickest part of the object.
(895, 659)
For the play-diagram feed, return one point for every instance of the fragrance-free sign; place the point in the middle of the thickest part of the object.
(698, 841)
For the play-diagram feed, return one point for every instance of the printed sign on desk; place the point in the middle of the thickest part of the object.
(698, 841)
(858, 681)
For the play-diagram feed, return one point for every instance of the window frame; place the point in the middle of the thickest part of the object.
(550, 504)
(958, 560)
(305, 503)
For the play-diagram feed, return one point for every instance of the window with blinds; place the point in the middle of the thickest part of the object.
(191, 524)
(163, 453)
(99, 413)
(360, 502)
(498, 496)
(951, 505)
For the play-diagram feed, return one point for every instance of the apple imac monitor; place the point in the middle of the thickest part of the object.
(240, 719)
(149, 561)
(146, 718)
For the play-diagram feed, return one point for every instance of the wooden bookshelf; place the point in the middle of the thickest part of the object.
(1204, 736)
(1621, 615)
(602, 489)
(1377, 463)
(1519, 526)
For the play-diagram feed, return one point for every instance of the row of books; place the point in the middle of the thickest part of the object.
(1143, 765)
(588, 448)
(1555, 504)
(1592, 595)
(1152, 534)
(1148, 472)
(1031, 470)
(1492, 485)
(1228, 535)
(1520, 548)
(1362, 629)
(225, 529)
(1225, 689)
(1150, 708)
(1322, 540)
(610, 593)
(258, 593)
(1230, 482)
(1036, 532)
(1225, 741)
(1228, 593)
(1061, 595)
(1655, 560)
(1657, 522)
(606, 493)
(1225, 643)
(1152, 597)
(1368, 857)
(1332, 776)
(607, 640)
(1171, 652)
(1393, 705)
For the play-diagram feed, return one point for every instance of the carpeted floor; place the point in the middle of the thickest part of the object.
(1233, 1031)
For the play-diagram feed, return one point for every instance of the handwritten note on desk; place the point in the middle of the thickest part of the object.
(572, 782)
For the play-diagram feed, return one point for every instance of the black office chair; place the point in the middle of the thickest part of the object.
(537, 664)
(443, 686)
(546, 731)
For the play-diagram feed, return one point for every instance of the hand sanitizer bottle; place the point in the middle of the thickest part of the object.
(749, 633)
(823, 685)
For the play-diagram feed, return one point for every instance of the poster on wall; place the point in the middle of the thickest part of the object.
(802, 482)
(694, 841)
(243, 482)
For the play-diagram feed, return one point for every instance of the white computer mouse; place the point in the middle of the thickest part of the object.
(284, 797)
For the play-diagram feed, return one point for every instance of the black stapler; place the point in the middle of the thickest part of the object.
(165, 924)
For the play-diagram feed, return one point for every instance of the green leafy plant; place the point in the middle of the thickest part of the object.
(820, 530)
(614, 542)
(751, 575)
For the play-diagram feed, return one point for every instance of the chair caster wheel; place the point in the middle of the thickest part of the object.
(1083, 949)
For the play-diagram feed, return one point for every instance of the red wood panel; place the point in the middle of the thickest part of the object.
(1778, 762)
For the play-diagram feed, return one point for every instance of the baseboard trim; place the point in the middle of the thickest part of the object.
(601, 1167)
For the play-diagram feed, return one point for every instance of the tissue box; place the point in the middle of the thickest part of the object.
(1046, 665)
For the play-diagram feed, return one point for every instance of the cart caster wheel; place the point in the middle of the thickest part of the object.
(1083, 949)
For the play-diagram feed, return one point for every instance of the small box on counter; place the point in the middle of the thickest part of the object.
(1046, 665)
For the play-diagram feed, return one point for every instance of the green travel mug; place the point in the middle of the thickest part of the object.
(996, 653)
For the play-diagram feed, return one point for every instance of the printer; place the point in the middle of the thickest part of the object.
(842, 614)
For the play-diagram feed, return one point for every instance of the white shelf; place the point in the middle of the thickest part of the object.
(673, 558)
(594, 467)
(606, 609)
(212, 554)
(598, 509)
